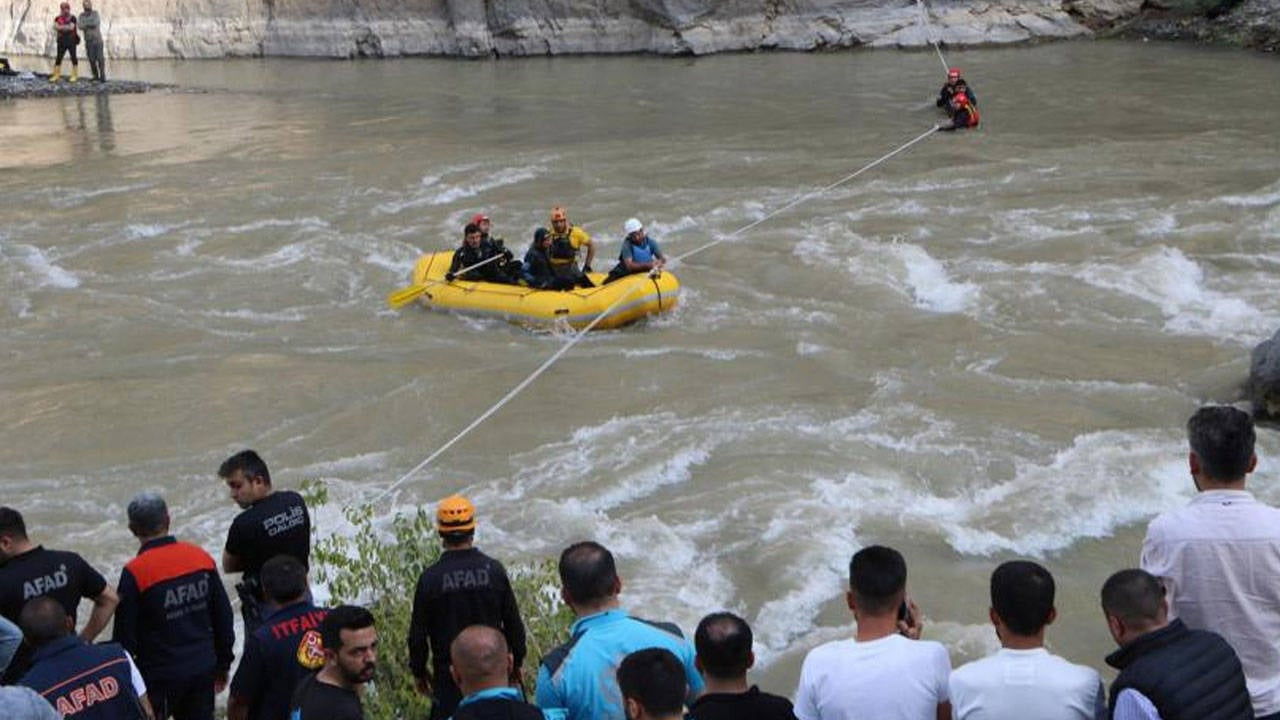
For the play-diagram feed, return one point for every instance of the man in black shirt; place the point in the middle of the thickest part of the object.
(285, 650)
(652, 685)
(723, 643)
(350, 655)
(29, 571)
(273, 523)
(464, 587)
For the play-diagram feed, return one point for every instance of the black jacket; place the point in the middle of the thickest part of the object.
(464, 587)
(1187, 674)
(466, 256)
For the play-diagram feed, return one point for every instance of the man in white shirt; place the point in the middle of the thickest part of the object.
(1219, 557)
(1023, 680)
(885, 672)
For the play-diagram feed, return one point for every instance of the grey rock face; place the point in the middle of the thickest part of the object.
(1264, 379)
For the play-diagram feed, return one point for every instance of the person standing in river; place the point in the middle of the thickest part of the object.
(273, 523)
(64, 25)
(91, 24)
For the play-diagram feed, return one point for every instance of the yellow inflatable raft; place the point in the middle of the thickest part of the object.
(641, 296)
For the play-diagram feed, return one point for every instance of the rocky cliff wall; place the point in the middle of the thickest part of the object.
(479, 28)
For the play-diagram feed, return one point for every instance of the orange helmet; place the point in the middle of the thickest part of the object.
(558, 213)
(455, 514)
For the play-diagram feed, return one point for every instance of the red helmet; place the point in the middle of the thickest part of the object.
(953, 73)
(960, 98)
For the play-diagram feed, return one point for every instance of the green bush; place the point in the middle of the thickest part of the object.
(378, 566)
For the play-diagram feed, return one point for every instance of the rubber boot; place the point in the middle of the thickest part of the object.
(75, 73)
(57, 73)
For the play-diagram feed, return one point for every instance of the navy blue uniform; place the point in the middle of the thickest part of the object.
(278, 524)
(277, 656)
(463, 588)
(174, 616)
(84, 682)
(60, 574)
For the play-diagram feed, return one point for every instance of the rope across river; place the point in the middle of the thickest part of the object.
(577, 336)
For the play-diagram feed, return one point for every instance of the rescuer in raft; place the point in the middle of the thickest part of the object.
(963, 113)
(536, 269)
(640, 253)
(566, 241)
(473, 250)
(954, 84)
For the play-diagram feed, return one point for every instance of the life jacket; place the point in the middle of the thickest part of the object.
(642, 253)
(68, 23)
(971, 116)
(562, 249)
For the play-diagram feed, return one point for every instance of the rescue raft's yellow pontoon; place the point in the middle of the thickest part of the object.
(527, 306)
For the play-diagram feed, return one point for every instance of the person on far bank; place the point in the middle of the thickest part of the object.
(81, 681)
(482, 666)
(723, 643)
(1023, 680)
(283, 651)
(963, 114)
(174, 616)
(474, 250)
(652, 685)
(567, 242)
(886, 671)
(350, 643)
(272, 523)
(1167, 670)
(91, 24)
(28, 571)
(581, 675)
(639, 253)
(953, 85)
(64, 27)
(464, 587)
(1219, 556)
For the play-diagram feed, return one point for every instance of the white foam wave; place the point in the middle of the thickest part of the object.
(808, 348)
(1176, 284)
(1264, 198)
(66, 198)
(291, 315)
(306, 222)
(47, 273)
(429, 195)
(931, 287)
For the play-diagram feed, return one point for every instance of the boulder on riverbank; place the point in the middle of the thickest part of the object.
(29, 85)
(483, 28)
(1263, 387)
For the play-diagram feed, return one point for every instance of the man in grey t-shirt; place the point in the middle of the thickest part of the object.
(91, 25)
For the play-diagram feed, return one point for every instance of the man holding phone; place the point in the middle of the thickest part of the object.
(886, 670)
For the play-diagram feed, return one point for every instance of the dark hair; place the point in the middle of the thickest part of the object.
(343, 617)
(43, 619)
(1134, 596)
(587, 572)
(147, 514)
(654, 678)
(248, 462)
(11, 523)
(877, 576)
(723, 642)
(283, 578)
(539, 235)
(470, 228)
(1222, 437)
(1022, 595)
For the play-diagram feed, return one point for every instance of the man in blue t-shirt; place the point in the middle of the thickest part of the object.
(283, 651)
(580, 675)
(640, 253)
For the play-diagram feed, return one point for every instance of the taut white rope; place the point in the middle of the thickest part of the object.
(924, 21)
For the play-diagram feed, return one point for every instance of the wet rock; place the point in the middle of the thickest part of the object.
(27, 85)
(1264, 379)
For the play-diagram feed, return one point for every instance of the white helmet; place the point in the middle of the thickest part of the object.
(632, 225)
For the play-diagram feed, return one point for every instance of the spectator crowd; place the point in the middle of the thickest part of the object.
(1197, 627)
